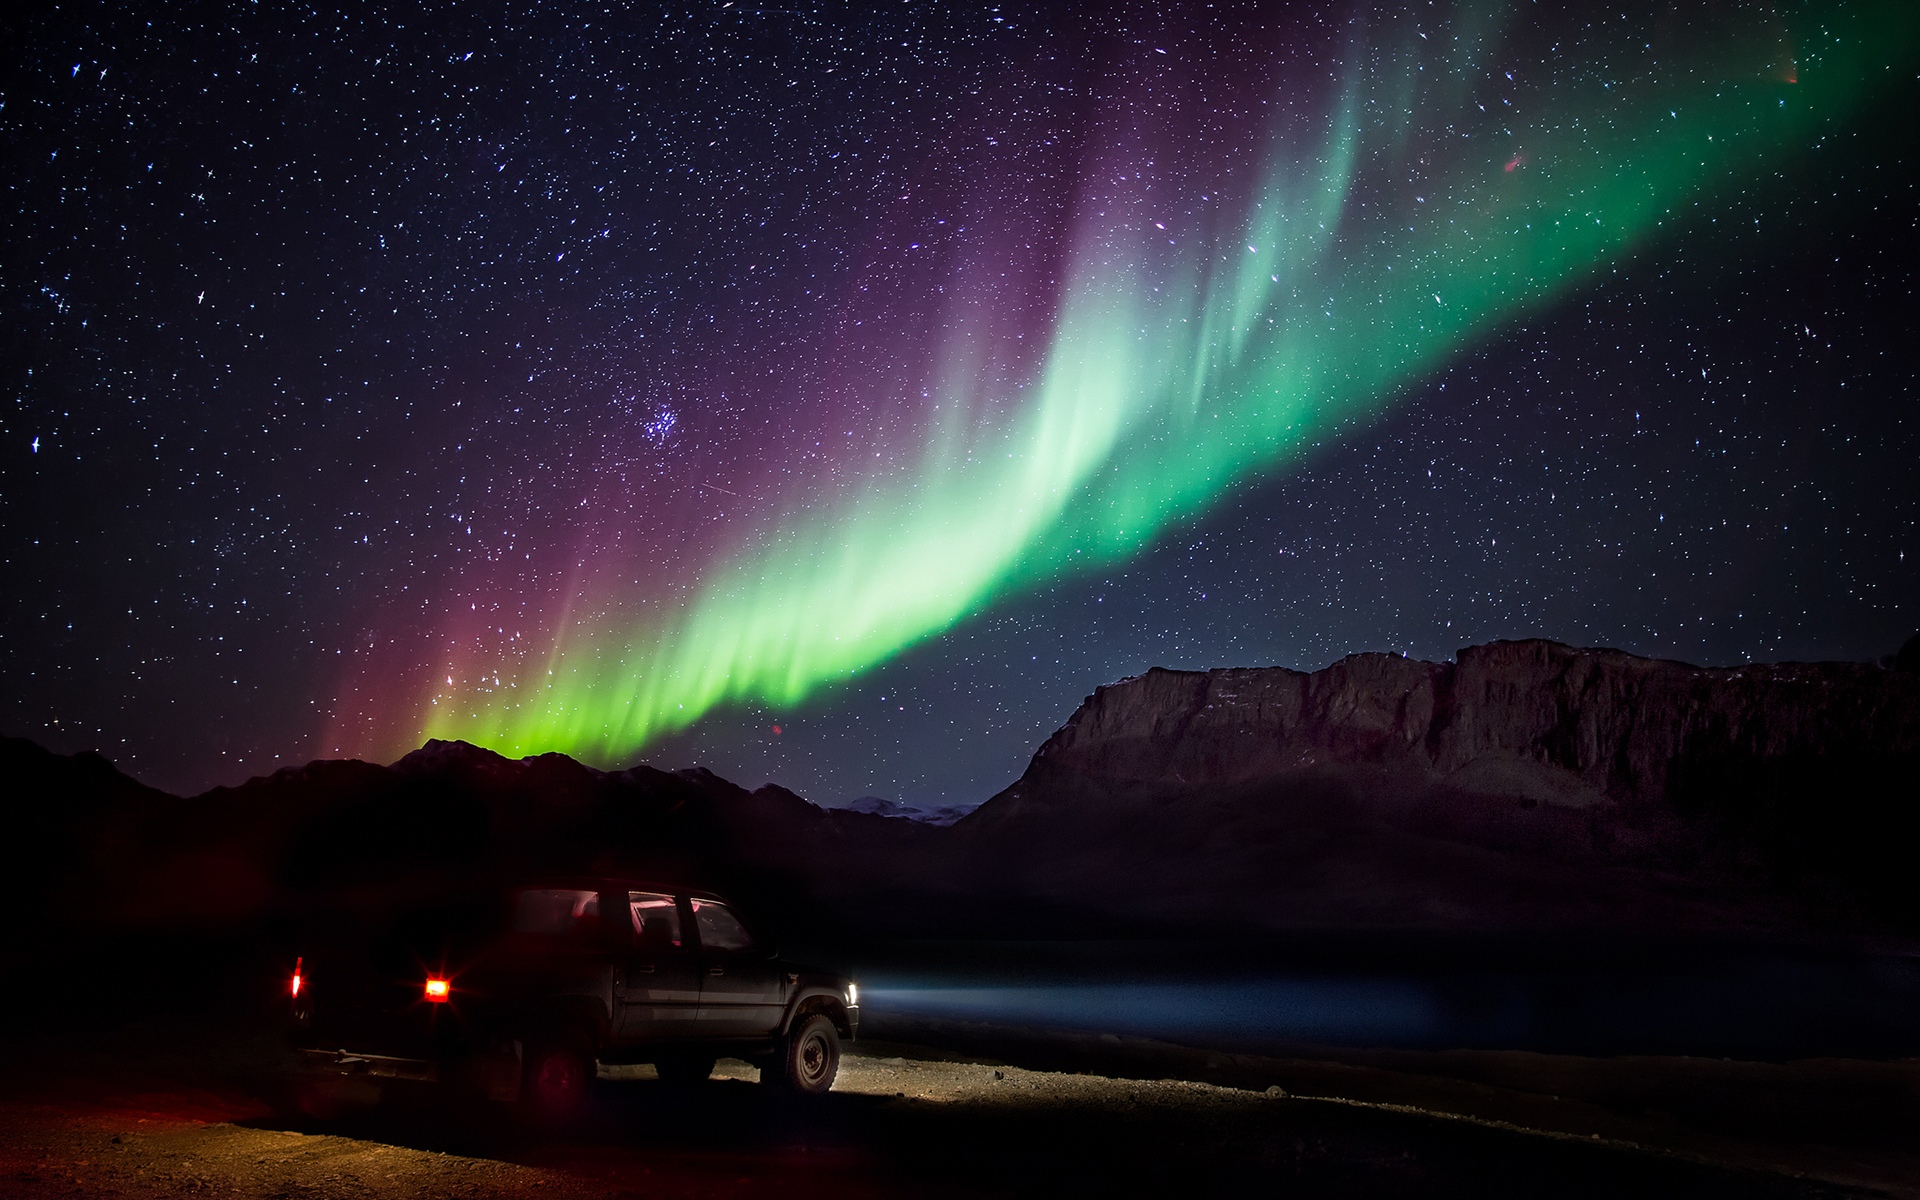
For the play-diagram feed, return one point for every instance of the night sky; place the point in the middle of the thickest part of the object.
(835, 396)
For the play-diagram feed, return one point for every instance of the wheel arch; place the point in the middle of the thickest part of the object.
(580, 1016)
(832, 1006)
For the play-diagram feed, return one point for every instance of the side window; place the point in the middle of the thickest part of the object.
(555, 910)
(719, 928)
(656, 920)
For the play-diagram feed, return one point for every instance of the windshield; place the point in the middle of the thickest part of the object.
(719, 930)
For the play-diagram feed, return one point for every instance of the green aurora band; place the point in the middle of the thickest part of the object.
(1174, 371)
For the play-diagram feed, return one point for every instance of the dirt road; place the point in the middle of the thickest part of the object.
(179, 1111)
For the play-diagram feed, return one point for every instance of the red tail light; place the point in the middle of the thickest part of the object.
(437, 990)
(297, 964)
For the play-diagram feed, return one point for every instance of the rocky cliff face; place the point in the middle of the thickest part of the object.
(1534, 719)
(1527, 782)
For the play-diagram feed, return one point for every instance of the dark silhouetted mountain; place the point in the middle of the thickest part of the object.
(1527, 784)
(56, 809)
(335, 835)
(1908, 658)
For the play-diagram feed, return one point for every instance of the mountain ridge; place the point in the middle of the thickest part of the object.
(1524, 785)
(1526, 782)
(1614, 720)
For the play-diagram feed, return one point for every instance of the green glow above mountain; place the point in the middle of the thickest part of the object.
(1207, 329)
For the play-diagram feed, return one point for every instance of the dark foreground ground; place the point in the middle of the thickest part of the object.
(197, 1105)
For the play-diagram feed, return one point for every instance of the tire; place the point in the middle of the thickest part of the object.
(809, 1057)
(685, 1070)
(556, 1079)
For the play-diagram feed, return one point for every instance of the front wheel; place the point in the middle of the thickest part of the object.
(809, 1057)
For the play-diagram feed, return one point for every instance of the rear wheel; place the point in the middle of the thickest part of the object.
(810, 1056)
(685, 1070)
(556, 1077)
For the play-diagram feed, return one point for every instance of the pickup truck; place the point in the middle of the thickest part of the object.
(522, 995)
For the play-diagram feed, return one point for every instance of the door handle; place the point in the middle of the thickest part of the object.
(716, 970)
(643, 969)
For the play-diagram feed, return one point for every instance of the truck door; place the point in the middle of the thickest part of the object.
(742, 991)
(659, 980)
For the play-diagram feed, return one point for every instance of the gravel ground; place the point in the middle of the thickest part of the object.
(179, 1111)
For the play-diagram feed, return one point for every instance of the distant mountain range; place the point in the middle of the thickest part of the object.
(1525, 786)
(945, 815)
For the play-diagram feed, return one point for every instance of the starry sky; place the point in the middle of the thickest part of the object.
(836, 395)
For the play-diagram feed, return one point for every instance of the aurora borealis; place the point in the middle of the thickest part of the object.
(1168, 372)
(946, 324)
